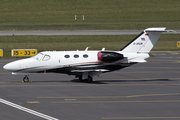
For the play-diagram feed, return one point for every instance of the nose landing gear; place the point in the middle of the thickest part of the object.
(26, 79)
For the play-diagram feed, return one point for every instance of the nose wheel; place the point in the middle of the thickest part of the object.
(26, 79)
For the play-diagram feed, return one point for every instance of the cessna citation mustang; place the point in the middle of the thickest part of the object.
(86, 64)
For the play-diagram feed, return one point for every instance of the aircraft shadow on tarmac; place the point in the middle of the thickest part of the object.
(63, 81)
(147, 80)
(103, 81)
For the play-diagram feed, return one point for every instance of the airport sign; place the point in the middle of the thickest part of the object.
(178, 43)
(1, 52)
(23, 52)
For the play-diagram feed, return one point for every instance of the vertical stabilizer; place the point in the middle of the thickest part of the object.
(145, 41)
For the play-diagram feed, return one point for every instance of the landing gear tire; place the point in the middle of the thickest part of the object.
(89, 80)
(26, 79)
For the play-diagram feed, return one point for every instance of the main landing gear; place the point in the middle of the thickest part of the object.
(26, 79)
(88, 80)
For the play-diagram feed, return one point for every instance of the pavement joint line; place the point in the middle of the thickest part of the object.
(150, 79)
(92, 97)
(148, 101)
(150, 72)
(133, 118)
(84, 85)
(154, 67)
(160, 60)
(27, 110)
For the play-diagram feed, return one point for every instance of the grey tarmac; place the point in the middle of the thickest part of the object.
(78, 32)
(143, 91)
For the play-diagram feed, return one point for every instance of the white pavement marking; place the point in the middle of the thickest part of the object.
(27, 110)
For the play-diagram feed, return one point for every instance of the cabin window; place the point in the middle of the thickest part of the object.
(76, 56)
(67, 56)
(46, 57)
(37, 56)
(85, 56)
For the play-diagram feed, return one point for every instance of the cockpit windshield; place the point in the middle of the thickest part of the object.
(46, 58)
(38, 56)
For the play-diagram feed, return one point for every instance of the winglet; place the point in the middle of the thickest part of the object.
(103, 49)
(87, 48)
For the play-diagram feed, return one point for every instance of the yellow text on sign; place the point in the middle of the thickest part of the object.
(23, 52)
(178, 44)
(1, 52)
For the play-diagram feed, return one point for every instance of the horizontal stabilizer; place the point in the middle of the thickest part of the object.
(158, 30)
(155, 30)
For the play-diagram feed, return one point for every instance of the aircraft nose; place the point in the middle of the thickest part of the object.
(6, 67)
(11, 66)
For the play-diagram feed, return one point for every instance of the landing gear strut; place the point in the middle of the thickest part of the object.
(80, 78)
(26, 79)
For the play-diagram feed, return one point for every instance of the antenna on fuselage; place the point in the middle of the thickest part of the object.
(87, 49)
(103, 49)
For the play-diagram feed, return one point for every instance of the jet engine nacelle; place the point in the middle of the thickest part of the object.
(105, 56)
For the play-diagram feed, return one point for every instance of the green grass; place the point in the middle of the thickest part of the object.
(99, 14)
(167, 42)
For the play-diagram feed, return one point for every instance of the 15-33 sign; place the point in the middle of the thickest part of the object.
(23, 52)
(1, 52)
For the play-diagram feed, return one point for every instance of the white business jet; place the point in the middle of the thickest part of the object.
(86, 64)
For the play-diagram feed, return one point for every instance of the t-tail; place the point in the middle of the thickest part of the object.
(145, 41)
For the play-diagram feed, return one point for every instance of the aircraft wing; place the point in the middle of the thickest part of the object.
(91, 70)
(138, 61)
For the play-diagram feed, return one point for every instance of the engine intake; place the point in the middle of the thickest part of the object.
(105, 56)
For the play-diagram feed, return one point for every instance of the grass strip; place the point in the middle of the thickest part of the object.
(98, 14)
(167, 42)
